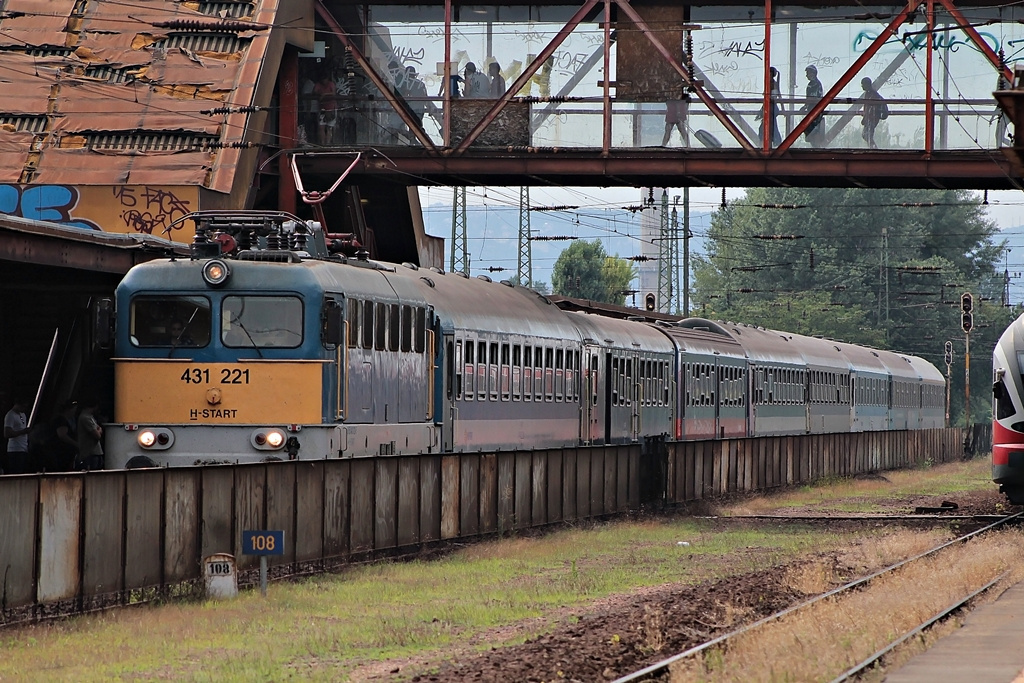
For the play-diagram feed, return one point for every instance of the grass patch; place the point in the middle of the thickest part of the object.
(322, 628)
(853, 495)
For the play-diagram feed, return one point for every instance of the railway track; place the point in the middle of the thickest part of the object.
(659, 669)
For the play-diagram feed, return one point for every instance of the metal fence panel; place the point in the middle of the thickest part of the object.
(469, 495)
(309, 510)
(597, 482)
(554, 504)
(337, 496)
(182, 550)
(104, 525)
(408, 501)
(430, 498)
(60, 502)
(450, 496)
(506, 491)
(18, 540)
(280, 497)
(142, 529)
(584, 462)
(538, 498)
(523, 491)
(385, 505)
(361, 510)
(218, 512)
(569, 484)
(488, 493)
(250, 492)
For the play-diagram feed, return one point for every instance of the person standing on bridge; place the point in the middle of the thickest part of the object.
(497, 81)
(477, 85)
(815, 133)
(774, 109)
(873, 110)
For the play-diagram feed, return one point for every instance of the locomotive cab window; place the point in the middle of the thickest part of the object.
(266, 322)
(170, 321)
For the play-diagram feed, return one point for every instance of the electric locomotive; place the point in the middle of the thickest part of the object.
(265, 344)
(1008, 413)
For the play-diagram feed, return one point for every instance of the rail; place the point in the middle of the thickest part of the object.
(663, 665)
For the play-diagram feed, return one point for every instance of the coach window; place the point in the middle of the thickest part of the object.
(261, 321)
(559, 374)
(407, 328)
(506, 378)
(549, 373)
(353, 323)
(614, 380)
(492, 369)
(368, 308)
(470, 371)
(538, 373)
(420, 337)
(458, 368)
(380, 327)
(394, 326)
(527, 372)
(170, 321)
(517, 372)
(482, 375)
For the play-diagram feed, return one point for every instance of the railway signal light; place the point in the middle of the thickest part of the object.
(650, 302)
(949, 353)
(966, 311)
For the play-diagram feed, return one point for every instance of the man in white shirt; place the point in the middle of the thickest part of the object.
(16, 432)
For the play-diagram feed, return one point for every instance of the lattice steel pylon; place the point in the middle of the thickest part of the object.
(524, 264)
(459, 256)
(668, 257)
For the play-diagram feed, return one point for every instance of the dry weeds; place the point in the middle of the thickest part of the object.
(824, 640)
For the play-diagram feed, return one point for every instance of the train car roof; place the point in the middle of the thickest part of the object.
(927, 371)
(863, 359)
(618, 333)
(900, 366)
(760, 344)
(480, 304)
(707, 338)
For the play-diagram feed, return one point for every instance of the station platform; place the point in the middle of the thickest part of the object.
(989, 648)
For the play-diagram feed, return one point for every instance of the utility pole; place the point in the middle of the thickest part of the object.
(686, 251)
(524, 265)
(459, 257)
(885, 271)
(665, 259)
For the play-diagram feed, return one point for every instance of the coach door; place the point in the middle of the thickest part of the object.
(450, 358)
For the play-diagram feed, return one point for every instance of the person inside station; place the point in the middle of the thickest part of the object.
(774, 109)
(497, 87)
(16, 431)
(89, 437)
(477, 84)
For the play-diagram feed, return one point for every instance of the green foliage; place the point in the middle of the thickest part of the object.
(887, 270)
(583, 270)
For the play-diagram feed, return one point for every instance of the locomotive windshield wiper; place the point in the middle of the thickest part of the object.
(238, 321)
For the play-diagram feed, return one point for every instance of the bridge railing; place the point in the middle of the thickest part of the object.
(958, 124)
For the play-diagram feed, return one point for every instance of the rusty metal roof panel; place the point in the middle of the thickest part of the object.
(88, 106)
(69, 166)
(115, 92)
(14, 151)
(26, 84)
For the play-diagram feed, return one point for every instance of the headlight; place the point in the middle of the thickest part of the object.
(267, 439)
(156, 439)
(216, 272)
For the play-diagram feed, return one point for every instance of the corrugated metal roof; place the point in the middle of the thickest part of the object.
(98, 93)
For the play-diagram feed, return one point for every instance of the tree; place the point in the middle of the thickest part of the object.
(875, 267)
(585, 271)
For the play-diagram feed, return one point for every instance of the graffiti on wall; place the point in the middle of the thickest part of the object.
(132, 209)
(53, 203)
